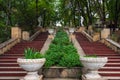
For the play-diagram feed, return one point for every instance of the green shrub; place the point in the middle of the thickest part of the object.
(53, 58)
(69, 49)
(70, 60)
(61, 52)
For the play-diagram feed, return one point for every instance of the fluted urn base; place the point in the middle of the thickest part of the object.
(92, 64)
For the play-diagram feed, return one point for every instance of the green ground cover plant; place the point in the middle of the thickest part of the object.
(62, 52)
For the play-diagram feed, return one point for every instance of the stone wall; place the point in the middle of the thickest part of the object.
(61, 72)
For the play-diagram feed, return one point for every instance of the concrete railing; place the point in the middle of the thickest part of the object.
(34, 35)
(7, 45)
(112, 44)
(94, 37)
(87, 35)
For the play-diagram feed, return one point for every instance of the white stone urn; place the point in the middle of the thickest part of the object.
(51, 31)
(93, 64)
(71, 30)
(31, 66)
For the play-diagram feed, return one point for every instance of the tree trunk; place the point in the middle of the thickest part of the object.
(116, 13)
(103, 12)
(8, 22)
(36, 12)
(90, 15)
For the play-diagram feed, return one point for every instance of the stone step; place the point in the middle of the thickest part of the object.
(110, 69)
(113, 54)
(8, 60)
(10, 77)
(112, 78)
(12, 72)
(13, 54)
(10, 57)
(113, 59)
(9, 64)
(11, 68)
(112, 65)
(110, 74)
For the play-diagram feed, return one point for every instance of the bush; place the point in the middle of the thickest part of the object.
(70, 60)
(61, 52)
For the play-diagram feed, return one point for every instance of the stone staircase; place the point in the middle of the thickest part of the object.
(111, 70)
(9, 69)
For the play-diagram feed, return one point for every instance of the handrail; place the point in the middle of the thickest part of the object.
(34, 35)
(88, 36)
(8, 44)
(112, 44)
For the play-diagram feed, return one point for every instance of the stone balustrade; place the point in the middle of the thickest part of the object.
(112, 44)
(16, 32)
(34, 35)
(16, 35)
(105, 33)
(94, 37)
(8, 44)
(81, 29)
(25, 35)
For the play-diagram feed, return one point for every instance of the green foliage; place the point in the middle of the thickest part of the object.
(4, 32)
(70, 60)
(31, 53)
(61, 52)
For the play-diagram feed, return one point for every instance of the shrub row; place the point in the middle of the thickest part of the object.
(62, 52)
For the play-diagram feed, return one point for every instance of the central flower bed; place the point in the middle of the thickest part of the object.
(63, 54)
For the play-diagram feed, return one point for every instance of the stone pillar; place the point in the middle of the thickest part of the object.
(15, 32)
(25, 35)
(96, 36)
(105, 33)
(81, 29)
(90, 29)
(51, 37)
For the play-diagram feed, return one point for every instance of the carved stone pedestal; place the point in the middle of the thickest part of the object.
(51, 36)
(25, 35)
(72, 36)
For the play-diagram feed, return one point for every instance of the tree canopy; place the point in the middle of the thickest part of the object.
(75, 13)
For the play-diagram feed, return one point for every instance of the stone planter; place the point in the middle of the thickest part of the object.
(71, 30)
(31, 66)
(62, 72)
(51, 31)
(93, 64)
